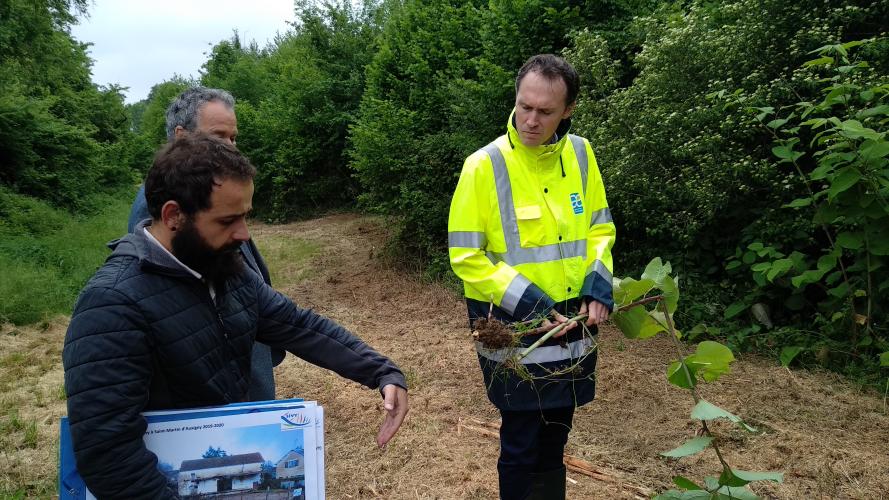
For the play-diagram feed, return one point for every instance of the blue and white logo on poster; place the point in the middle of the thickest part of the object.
(290, 421)
(577, 203)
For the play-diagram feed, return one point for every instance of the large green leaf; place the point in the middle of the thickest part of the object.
(705, 410)
(636, 323)
(882, 109)
(777, 477)
(871, 150)
(845, 179)
(728, 492)
(786, 154)
(884, 359)
(629, 290)
(850, 240)
(686, 483)
(734, 310)
(878, 242)
(798, 203)
(711, 360)
(690, 447)
(779, 267)
(853, 129)
(788, 354)
(821, 61)
(676, 375)
(656, 270)
(657, 324)
(728, 478)
(670, 290)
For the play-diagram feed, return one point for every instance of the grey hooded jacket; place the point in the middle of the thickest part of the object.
(146, 335)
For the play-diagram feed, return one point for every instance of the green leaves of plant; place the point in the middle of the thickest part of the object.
(825, 264)
(788, 354)
(705, 410)
(853, 129)
(710, 361)
(719, 488)
(685, 483)
(786, 153)
(737, 477)
(638, 322)
(690, 447)
(628, 290)
(884, 359)
(734, 310)
(871, 150)
(821, 61)
(845, 179)
(799, 203)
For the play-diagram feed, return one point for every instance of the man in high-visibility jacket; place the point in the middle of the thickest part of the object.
(530, 234)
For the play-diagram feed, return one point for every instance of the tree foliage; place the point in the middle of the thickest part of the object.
(214, 453)
(56, 127)
(744, 140)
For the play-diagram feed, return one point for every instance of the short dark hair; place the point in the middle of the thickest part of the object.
(552, 67)
(186, 170)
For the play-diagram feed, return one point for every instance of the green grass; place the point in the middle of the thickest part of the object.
(287, 257)
(47, 254)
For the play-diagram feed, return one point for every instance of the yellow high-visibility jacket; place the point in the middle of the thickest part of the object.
(530, 227)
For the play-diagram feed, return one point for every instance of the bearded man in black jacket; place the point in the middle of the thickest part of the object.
(170, 319)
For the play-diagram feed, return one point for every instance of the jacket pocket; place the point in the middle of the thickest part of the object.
(532, 232)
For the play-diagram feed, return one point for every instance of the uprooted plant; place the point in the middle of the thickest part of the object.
(644, 308)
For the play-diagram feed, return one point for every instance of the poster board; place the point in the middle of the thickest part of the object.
(268, 449)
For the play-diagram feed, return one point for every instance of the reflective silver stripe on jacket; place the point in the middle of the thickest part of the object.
(601, 216)
(546, 253)
(466, 239)
(504, 197)
(514, 293)
(599, 268)
(516, 254)
(582, 161)
(542, 354)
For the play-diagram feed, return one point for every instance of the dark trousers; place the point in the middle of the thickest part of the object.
(530, 442)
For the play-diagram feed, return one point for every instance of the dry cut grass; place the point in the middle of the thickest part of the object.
(828, 437)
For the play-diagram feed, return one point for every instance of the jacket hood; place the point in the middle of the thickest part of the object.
(137, 245)
(543, 150)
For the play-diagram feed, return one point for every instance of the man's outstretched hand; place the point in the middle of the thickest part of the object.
(395, 404)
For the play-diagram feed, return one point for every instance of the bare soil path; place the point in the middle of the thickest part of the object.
(830, 439)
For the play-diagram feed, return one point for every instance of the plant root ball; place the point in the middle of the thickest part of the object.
(493, 334)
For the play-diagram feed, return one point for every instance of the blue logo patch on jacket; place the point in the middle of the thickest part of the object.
(577, 203)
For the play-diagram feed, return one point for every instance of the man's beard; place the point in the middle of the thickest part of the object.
(215, 266)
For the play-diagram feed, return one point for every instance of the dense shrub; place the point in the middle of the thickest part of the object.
(690, 175)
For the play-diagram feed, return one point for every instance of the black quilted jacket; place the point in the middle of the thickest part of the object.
(145, 335)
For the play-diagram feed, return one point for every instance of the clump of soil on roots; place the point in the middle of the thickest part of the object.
(493, 334)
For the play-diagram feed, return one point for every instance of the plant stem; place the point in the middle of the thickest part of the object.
(690, 380)
(544, 329)
(885, 393)
(549, 334)
(640, 302)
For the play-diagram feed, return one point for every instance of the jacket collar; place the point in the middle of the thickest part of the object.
(148, 253)
(543, 151)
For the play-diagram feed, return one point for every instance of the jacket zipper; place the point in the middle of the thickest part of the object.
(226, 347)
